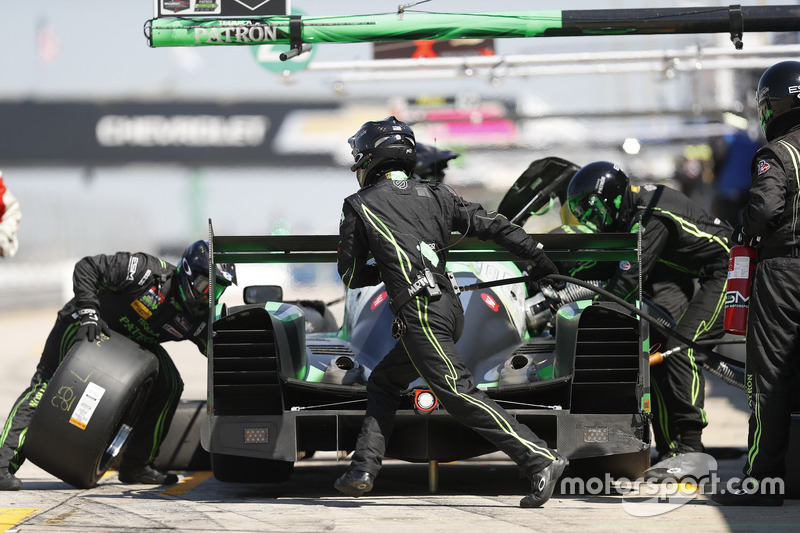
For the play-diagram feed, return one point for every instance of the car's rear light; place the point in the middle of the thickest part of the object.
(425, 401)
(595, 434)
(256, 435)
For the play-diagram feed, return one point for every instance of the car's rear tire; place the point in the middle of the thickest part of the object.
(238, 469)
(181, 448)
(630, 466)
(91, 403)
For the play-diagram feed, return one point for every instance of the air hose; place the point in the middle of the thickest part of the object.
(720, 366)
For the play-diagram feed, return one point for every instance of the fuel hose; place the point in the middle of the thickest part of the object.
(719, 365)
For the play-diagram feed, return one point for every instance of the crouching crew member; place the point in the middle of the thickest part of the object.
(146, 300)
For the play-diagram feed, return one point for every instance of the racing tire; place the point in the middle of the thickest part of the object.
(181, 449)
(319, 318)
(238, 469)
(89, 408)
(631, 466)
(239, 308)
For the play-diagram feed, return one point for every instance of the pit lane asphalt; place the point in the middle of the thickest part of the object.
(476, 495)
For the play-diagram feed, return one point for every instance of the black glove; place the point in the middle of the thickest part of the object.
(540, 266)
(92, 325)
(740, 237)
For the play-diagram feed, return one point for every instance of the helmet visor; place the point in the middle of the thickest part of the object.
(567, 217)
(764, 115)
(591, 212)
(200, 290)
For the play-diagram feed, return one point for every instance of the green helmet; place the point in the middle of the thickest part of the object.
(595, 193)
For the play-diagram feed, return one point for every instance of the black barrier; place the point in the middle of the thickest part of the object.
(121, 132)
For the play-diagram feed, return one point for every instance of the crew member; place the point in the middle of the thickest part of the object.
(10, 216)
(679, 239)
(432, 162)
(770, 222)
(148, 301)
(406, 226)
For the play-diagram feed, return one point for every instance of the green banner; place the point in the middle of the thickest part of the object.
(443, 26)
(350, 29)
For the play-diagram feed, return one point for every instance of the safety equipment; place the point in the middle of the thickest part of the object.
(382, 146)
(432, 162)
(194, 283)
(741, 266)
(777, 96)
(595, 193)
(740, 237)
(92, 326)
(540, 266)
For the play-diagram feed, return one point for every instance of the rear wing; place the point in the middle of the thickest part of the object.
(322, 248)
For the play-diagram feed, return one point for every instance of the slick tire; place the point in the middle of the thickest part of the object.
(181, 448)
(632, 465)
(238, 469)
(319, 318)
(90, 405)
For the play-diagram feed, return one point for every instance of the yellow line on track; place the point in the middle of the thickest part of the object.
(10, 516)
(187, 484)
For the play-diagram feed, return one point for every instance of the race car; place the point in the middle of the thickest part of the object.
(285, 381)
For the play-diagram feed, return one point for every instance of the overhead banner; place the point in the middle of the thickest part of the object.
(190, 133)
(219, 31)
(368, 28)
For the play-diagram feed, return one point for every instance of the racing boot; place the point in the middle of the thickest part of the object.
(8, 481)
(680, 467)
(354, 483)
(145, 475)
(544, 482)
(748, 492)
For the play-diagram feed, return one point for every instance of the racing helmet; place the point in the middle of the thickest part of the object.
(595, 193)
(382, 146)
(432, 162)
(778, 98)
(194, 284)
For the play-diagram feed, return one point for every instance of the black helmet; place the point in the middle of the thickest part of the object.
(382, 146)
(432, 162)
(779, 98)
(193, 273)
(595, 193)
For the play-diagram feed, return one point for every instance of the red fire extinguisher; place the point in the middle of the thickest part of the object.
(741, 265)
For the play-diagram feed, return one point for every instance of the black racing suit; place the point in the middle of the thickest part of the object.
(773, 323)
(137, 296)
(679, 240)
(405, 225)
(669, 294)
